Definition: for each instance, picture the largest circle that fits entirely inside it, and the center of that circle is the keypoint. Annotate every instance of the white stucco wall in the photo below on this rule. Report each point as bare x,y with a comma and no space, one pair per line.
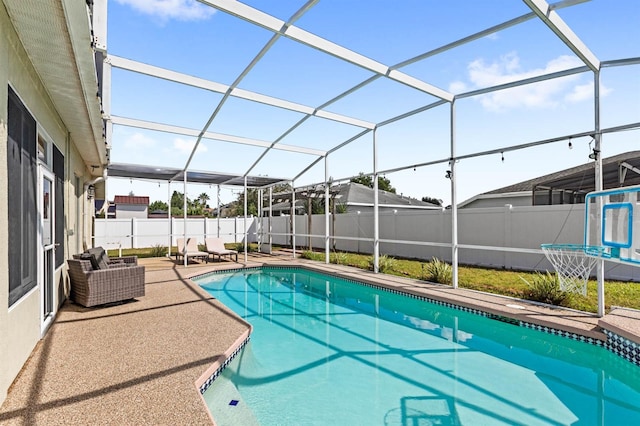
20,324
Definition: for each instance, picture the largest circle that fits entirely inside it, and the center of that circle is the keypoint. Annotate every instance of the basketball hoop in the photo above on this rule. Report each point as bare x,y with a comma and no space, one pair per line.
573,263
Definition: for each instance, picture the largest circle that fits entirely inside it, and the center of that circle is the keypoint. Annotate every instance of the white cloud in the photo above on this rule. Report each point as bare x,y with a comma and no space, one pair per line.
545,94
183,10
584,92
458,87
186,146
138,140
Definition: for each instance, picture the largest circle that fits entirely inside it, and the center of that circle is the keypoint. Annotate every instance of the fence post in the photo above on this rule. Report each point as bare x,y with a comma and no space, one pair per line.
134,231
507,235
173,230
170,232
443,253
358,229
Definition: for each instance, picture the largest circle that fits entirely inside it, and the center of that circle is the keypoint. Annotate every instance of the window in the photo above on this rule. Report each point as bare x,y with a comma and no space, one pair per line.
43,150
58,171
22,189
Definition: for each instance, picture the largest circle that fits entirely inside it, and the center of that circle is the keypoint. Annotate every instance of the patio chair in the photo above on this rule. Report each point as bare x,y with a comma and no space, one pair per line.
115,283
216,246
190,250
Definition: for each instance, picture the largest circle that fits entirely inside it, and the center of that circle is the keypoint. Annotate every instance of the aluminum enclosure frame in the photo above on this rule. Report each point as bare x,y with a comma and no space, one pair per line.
540,9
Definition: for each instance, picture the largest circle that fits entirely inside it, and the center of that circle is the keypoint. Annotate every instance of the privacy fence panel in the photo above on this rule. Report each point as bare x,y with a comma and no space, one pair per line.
113,233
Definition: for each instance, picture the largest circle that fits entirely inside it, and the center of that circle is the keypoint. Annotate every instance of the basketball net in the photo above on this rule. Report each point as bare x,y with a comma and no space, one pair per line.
573,264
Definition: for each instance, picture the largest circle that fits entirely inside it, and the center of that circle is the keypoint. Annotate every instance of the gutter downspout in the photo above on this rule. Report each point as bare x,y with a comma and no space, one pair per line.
87,184
86,209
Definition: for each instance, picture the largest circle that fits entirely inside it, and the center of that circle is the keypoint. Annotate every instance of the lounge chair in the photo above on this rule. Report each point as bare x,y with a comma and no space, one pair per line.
115,283
216,246
190,250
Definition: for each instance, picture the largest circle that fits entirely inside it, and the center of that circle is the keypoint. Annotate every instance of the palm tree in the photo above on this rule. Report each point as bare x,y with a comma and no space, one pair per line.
203,198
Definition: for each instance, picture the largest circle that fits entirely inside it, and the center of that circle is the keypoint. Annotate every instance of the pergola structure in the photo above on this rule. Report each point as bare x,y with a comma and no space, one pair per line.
440,98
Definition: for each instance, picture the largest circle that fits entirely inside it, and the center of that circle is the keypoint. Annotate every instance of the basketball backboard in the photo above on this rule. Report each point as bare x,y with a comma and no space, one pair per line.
612,221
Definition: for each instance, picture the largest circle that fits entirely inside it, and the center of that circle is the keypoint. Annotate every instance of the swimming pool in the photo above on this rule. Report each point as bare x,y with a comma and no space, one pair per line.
328,351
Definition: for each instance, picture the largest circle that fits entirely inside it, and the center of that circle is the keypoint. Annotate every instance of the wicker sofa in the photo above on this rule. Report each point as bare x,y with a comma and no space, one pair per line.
123,279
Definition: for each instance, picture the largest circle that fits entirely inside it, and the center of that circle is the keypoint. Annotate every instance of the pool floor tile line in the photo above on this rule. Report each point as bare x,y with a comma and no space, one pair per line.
143,362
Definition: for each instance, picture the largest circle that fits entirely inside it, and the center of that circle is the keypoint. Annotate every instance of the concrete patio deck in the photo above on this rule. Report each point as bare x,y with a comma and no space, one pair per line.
138,362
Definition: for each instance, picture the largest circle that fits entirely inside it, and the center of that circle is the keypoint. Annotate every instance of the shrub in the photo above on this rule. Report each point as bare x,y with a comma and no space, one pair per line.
545,288
385,263
239,247
438,271
339,257
308,254
158,250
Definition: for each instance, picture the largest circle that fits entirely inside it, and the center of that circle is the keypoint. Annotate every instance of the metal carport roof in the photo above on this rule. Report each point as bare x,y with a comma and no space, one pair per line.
168,174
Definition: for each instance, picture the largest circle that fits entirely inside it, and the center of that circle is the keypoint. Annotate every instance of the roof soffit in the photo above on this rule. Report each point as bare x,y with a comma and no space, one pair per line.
57,39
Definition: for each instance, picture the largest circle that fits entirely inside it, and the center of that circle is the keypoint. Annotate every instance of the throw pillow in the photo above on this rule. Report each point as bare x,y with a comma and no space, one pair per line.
101,258
90,258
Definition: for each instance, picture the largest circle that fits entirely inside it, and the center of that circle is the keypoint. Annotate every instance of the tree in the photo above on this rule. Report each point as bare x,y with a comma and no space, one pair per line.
436,201
203,198
384,184
177,199
194,207
252,200
252,203
158,205
317,205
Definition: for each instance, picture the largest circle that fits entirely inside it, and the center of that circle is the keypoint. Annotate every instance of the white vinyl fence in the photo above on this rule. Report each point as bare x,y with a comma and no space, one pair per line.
501,237
138,233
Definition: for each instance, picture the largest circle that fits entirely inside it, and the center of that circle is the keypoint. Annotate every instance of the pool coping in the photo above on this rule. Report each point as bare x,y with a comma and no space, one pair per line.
615,336
213,372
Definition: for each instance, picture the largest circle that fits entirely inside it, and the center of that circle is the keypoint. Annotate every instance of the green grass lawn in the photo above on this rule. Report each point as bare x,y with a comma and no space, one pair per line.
497,281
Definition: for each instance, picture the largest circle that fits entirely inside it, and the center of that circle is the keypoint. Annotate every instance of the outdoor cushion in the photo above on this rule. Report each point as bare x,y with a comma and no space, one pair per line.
91,258
99,258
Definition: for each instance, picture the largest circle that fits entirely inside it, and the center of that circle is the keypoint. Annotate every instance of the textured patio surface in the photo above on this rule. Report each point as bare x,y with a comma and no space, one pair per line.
624,322
137,363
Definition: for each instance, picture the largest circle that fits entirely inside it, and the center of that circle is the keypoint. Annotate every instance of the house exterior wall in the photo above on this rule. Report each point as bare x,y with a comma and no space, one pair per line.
5,378
499,201
124,211
20,324
76,205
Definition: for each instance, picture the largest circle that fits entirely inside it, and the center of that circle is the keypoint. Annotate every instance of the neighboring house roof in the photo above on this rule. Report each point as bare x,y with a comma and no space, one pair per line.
356,194
352,194
130,199
582,178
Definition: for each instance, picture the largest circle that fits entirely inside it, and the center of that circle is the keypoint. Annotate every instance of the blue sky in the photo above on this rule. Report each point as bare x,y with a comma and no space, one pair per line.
194,39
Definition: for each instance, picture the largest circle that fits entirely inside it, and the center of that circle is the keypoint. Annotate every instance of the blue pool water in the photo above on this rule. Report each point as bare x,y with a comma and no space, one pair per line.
325,351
